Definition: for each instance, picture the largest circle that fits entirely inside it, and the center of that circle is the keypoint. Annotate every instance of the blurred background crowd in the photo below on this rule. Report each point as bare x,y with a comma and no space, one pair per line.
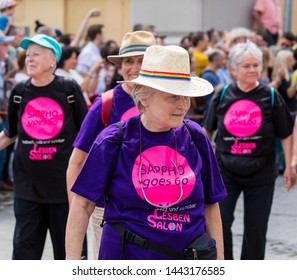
85,51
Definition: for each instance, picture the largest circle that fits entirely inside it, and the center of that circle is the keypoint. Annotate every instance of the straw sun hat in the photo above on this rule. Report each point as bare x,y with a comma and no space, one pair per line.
167,68
133,44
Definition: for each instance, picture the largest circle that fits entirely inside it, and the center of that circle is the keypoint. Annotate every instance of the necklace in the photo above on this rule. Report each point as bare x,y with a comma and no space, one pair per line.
174,163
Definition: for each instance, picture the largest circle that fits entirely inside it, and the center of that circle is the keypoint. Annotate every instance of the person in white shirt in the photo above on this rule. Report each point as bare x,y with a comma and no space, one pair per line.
66,68
91,53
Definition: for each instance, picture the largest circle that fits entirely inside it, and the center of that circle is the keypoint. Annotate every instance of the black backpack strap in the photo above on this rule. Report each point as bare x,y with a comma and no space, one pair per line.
223,92
121,134
190,131
271,93
68,87
17,99
127,235
272,96
19,88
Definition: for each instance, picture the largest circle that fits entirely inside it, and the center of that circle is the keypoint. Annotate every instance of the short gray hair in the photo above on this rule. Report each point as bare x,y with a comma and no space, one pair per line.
139,93
241,49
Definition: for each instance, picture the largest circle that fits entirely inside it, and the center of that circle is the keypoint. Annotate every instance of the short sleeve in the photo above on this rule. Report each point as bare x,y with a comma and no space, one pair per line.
91,127
80,106
11,129
99,166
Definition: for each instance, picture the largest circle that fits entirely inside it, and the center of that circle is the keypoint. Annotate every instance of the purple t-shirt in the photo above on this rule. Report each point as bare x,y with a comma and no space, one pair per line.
172,170
123,107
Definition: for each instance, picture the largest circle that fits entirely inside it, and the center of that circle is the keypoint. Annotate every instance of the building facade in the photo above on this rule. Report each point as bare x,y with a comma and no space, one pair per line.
173,18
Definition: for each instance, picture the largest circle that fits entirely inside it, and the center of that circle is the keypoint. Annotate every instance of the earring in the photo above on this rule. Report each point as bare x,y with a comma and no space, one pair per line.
52,65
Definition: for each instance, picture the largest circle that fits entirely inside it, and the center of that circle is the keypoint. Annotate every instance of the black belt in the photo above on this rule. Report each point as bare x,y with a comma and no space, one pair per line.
144,243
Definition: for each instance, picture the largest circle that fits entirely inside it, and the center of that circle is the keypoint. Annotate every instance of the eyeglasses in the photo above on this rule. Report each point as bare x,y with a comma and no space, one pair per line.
176,172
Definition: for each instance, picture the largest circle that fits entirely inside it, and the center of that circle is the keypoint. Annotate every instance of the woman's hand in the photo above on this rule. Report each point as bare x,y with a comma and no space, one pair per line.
95,12
290,177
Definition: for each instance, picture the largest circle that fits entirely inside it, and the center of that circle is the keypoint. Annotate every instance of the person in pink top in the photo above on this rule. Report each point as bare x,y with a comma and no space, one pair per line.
267,16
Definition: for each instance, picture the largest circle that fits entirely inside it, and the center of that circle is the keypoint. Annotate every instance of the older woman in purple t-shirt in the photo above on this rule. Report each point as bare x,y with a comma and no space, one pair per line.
156,171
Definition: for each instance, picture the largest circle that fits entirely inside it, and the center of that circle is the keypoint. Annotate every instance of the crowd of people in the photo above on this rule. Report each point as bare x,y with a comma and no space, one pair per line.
155,143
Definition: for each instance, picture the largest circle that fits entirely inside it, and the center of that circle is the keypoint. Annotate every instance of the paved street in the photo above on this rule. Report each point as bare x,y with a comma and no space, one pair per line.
281,238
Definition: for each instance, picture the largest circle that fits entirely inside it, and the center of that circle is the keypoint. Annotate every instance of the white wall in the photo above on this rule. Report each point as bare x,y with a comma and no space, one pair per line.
225,14
176,18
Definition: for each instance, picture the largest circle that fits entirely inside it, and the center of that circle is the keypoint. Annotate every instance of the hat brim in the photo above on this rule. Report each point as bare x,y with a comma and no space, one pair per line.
117,59
27,41
194,87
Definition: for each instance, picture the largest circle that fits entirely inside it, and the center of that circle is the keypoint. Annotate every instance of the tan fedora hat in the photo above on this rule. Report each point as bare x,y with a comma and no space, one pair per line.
167,68
134,43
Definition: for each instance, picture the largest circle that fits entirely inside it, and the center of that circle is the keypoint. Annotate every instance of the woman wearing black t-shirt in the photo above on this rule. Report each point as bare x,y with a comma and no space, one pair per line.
248,116
45,114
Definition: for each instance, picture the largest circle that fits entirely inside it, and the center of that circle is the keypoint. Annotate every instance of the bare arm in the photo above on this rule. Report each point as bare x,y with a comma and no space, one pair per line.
90,77
277,78
94,73
218,87
83,26
5,141
291,91
15,68
257,17
77,224
75,164
289,174
214,226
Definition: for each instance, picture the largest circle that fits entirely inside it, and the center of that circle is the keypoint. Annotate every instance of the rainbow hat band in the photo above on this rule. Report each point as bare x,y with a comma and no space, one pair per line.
165,75
133,44
167,69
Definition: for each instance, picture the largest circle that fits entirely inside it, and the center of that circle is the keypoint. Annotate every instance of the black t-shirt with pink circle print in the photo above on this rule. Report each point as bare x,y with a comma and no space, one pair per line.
46,124
247,124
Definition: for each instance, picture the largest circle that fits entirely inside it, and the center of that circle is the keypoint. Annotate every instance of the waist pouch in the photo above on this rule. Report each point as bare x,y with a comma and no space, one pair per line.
202,248
241,165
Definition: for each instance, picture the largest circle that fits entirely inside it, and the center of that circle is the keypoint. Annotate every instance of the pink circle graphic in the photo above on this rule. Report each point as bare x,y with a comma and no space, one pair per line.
130,113
162,171
243,118
43,118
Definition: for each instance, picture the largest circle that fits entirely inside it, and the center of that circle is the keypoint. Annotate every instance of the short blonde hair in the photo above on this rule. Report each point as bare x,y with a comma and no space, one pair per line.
280,61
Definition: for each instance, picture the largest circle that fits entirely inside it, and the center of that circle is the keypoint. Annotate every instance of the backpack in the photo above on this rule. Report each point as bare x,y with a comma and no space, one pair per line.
232,163
271,93
17,98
